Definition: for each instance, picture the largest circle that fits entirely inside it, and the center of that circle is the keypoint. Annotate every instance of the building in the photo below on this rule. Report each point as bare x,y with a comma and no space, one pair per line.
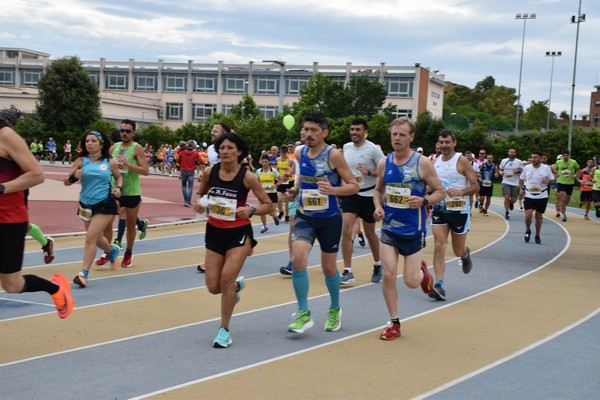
171,94
595,107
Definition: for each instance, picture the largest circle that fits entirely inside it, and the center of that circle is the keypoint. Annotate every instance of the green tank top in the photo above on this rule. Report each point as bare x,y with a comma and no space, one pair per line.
566,171
597,179
131,179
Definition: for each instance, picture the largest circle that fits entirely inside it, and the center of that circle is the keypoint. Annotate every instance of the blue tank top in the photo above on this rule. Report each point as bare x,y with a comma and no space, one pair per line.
487,174
402,181
95,181
312,170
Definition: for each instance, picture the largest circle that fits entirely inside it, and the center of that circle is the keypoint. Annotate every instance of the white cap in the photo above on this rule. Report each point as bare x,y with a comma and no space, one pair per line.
559,157
419,149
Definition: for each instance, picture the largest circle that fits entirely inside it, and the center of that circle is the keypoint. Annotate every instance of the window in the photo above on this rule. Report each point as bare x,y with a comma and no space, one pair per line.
399,87
7,77
234,84
205,84
293,84
227,109
115,81
30,77
402,113
175,111
339,79
95,76
203,111
266,85
174,83
12,54
269,111
144,82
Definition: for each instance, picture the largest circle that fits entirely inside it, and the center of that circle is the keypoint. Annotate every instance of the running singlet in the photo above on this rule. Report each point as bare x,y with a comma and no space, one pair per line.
284,166
597,179
95,181
224,197
533,186
312,203
450,177
13,208
487,174
402,181
566,171
512,169
586,180
131,179
267,179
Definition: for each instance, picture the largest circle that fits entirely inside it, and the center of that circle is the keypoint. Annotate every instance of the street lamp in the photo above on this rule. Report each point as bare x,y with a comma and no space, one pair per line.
281,81
574,20
524,17
462,116
551,54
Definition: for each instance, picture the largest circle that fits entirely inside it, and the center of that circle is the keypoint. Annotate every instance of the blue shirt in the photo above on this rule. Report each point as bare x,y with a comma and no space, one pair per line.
95,181
313,170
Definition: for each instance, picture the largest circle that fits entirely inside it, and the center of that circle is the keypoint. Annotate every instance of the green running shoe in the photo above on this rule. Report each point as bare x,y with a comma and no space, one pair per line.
302,322
334,320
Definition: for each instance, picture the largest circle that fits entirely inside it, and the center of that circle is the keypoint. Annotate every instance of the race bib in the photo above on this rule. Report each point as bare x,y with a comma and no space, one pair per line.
508,174
566,173
588,184
486,183
456,203
269,188
312,200
123,169
85,213
222,208
534,189
397,197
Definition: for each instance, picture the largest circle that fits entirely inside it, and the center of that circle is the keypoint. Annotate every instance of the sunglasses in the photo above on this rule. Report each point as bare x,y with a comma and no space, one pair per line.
125,131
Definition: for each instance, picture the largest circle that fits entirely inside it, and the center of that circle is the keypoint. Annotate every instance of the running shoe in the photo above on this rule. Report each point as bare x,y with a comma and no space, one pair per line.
511,206
521,209
538,240
264,229
276,219
223,339
117,243
597,212
564,218
466,262
241,284
579,204
391,332
143,231
202,268
557,215
347,278
113,257
126,262
80,279
62,299
48,250
334,320
280,215
286,269
438,292
102,260
302,322
481,210
377,274
361,239
527,236
485,213
586,217
507,216
476,204
427,282
287,219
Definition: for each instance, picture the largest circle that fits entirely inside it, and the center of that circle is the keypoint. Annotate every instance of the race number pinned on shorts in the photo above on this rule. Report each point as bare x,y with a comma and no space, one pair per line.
312,200
222,208
455,203
85,213
397,197
486,183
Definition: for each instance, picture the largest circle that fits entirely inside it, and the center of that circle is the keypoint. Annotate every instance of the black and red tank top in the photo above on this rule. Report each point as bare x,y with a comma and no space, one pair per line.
224,197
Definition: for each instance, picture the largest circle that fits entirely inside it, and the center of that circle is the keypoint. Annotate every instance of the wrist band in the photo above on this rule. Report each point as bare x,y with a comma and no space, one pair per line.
73,179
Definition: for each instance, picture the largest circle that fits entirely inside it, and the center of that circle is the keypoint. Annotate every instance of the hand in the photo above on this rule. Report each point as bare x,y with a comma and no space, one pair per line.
325,186
453,192
378,214
116,192
362,169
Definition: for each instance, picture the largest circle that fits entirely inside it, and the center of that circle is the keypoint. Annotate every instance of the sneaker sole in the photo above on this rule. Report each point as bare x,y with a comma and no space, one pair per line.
284,271
218,345
426,288
304,328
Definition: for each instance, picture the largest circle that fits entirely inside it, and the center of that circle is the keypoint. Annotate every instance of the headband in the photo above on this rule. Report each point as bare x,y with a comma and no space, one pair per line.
98,135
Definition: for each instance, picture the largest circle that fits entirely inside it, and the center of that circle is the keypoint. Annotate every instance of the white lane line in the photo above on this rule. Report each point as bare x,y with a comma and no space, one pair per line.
507,358
8,299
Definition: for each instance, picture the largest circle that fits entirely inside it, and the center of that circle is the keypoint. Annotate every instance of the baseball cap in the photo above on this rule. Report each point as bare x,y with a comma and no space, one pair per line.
559,157
419,149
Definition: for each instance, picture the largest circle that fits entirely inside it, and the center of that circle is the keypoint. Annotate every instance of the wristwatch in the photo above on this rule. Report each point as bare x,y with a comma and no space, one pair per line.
425,202
252,211
2,189
369,173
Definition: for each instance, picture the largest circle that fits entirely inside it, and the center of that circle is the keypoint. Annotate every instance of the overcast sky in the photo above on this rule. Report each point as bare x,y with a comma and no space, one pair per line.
466,40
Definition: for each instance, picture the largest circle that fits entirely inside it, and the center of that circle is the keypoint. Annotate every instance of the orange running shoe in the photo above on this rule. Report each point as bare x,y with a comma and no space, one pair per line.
427,282
391,332
62,299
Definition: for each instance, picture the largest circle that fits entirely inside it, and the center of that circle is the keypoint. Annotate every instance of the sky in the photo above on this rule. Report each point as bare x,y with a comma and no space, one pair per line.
466,40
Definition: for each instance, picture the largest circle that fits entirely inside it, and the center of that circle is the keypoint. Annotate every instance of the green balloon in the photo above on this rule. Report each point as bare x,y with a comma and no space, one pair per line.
288,121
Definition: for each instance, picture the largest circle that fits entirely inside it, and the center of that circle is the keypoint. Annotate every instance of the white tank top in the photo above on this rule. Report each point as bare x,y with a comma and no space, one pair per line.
450,177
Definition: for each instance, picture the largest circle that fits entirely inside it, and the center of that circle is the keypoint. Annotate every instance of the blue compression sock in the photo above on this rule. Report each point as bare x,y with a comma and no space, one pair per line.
301,284
333,285
120,230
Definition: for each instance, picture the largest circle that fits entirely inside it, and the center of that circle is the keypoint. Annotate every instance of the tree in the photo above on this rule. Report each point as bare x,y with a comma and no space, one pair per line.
536,115
367,95
69,101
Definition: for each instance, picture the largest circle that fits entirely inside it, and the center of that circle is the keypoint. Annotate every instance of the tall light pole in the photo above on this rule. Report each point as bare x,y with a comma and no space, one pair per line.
281,81
524,17
551,54
574,20
462,116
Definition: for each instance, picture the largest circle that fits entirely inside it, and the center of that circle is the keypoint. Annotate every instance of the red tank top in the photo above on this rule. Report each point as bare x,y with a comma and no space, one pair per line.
13,207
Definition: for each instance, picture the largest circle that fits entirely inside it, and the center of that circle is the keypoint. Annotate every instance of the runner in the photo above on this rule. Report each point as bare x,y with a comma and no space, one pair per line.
510,169
489,171
268,178
566,169
584,177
